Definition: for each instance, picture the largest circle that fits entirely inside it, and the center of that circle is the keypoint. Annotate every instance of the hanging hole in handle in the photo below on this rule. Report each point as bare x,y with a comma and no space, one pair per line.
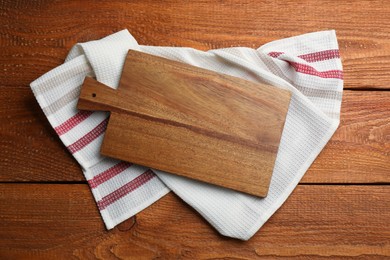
93,94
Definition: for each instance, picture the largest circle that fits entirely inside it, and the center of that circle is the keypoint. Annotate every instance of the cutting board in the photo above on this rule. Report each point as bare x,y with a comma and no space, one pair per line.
191,122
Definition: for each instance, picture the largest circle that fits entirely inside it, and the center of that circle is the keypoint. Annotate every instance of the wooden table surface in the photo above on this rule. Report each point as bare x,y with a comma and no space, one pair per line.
340,208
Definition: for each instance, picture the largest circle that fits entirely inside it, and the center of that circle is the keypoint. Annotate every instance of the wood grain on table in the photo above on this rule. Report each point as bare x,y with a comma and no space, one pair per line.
341,207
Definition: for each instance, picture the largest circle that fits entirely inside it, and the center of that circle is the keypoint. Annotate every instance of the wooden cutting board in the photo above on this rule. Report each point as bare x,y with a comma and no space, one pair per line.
192,122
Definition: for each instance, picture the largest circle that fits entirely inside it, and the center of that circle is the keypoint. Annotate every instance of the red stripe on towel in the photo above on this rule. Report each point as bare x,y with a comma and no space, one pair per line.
306,69
89,137
275,54
313,57
321,55
125,189
108,174
72,122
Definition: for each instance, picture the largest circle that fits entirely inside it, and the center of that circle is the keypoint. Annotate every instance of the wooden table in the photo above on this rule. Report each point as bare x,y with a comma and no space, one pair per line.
340,208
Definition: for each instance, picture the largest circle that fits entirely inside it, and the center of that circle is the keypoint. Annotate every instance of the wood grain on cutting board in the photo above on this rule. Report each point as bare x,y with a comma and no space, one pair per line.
192,122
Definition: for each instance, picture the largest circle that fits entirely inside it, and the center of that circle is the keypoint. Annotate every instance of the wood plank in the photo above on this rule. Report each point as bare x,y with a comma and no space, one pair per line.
30,150
61,221
36,35
359,150
192,122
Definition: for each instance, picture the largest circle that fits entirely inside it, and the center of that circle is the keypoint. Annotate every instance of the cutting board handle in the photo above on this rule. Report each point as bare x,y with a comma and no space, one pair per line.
96,96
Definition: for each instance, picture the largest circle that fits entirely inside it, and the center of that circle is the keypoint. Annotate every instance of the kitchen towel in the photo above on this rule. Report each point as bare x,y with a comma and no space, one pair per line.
308,65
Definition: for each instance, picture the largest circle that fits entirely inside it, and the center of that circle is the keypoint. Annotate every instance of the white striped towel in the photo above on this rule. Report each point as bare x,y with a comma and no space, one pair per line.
308,65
